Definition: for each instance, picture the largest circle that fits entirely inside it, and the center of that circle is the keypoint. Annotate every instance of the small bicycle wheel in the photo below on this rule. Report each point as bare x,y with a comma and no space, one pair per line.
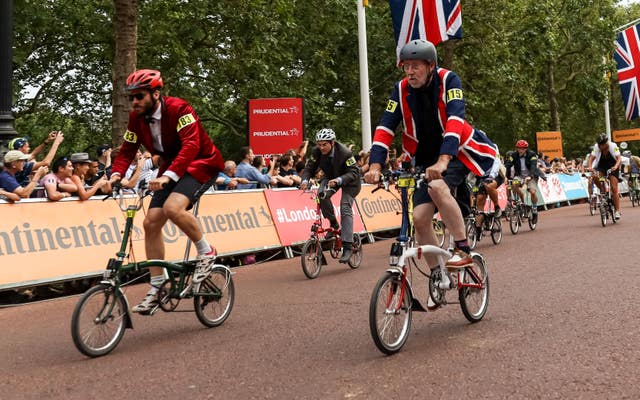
603,214
213,297
99,320
612,212
390,314
533,221
311,258
356,248
514,222
474,300
335,250
438,228
496,231
472,237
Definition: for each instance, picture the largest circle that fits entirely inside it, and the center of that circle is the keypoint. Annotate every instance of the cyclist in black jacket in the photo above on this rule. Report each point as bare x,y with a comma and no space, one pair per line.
525,166
340,171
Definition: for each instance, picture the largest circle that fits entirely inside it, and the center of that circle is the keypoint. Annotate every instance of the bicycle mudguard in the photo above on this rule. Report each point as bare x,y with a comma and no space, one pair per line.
128,323
475,255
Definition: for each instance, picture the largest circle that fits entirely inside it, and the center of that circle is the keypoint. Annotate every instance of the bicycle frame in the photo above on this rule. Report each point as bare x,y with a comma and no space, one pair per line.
401,251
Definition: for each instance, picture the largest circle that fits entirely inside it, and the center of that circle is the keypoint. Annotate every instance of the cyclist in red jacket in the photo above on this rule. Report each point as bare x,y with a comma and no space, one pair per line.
168,127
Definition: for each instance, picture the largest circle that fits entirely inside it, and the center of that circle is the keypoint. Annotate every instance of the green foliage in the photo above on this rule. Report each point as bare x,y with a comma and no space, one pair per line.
515,56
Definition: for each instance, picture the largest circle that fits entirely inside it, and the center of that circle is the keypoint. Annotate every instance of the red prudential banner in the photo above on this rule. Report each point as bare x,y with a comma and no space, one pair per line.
294,212
275,125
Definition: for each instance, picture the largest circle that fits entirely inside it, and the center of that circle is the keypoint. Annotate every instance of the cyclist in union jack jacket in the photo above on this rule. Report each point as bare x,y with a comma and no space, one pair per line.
430,103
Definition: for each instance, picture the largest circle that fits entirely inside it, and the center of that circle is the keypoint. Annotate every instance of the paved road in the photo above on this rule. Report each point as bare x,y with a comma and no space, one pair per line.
562,323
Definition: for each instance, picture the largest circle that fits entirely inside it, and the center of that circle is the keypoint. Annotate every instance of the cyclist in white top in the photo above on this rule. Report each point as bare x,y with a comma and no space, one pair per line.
606,156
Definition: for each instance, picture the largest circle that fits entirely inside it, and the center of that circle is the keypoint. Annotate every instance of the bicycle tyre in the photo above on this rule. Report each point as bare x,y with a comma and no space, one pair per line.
389,327
100,334
532,224
356,256
592,206
438,229
311,258
467,295
514,222
612,213
496,231
335,251
214,297
472,238
603,214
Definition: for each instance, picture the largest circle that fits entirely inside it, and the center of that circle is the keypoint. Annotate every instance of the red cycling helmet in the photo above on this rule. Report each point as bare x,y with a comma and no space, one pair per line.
149,79
522,144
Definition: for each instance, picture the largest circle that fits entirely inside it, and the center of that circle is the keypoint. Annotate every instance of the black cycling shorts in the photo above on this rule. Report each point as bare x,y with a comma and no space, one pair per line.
455,176
187,185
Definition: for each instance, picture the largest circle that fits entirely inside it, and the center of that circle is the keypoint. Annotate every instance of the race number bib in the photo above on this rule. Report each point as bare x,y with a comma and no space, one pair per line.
130,137
185,120
454,94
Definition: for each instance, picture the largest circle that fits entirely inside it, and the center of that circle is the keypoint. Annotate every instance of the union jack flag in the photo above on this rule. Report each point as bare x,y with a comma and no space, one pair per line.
627,56
433,20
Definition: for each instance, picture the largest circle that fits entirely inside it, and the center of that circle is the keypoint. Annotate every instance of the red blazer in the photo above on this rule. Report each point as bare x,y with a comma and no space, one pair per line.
187,147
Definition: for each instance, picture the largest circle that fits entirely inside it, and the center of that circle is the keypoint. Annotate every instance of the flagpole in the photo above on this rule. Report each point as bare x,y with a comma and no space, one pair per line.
364,76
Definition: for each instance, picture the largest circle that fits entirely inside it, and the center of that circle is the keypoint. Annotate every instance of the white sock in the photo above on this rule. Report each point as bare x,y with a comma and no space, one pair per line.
202,246
156,282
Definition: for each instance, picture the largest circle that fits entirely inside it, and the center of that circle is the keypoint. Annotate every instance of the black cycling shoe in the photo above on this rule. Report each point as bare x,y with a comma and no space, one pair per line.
346,255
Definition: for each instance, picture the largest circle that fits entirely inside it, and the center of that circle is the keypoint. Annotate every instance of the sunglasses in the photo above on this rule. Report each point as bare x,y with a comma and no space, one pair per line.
137,96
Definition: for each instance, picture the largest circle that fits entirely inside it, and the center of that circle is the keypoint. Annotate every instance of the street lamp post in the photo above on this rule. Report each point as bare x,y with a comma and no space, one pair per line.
6,71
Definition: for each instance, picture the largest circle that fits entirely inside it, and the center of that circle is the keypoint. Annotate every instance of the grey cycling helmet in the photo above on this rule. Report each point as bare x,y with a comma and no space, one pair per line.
325,134
419,49
626,153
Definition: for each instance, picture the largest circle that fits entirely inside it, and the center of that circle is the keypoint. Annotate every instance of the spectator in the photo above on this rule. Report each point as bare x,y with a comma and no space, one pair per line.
22,144
8,196
300,167
92,173
227,179
14,162
362,160
81,164
141,168
58,184
251,173
287,173
258,162
104,160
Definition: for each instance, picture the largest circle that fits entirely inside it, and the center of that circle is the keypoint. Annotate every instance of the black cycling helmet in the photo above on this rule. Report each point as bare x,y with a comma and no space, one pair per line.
602,138
419,49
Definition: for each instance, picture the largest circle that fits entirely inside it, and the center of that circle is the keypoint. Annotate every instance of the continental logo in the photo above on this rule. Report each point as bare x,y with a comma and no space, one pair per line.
130,137
391,106
239,220
454,94
27,239
370,207
185,120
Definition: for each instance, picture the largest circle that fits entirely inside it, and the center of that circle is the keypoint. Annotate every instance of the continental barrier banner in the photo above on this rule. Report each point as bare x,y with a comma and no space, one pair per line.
294,211
41,240
44,241
380,210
